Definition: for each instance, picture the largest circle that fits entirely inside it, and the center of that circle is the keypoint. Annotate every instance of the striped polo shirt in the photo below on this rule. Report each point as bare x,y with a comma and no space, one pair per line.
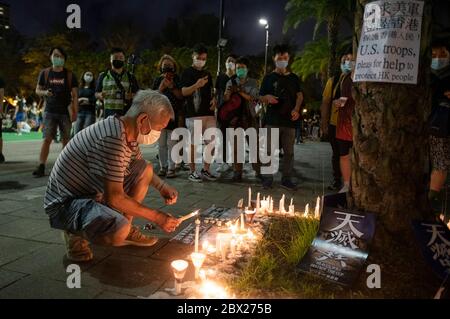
99,152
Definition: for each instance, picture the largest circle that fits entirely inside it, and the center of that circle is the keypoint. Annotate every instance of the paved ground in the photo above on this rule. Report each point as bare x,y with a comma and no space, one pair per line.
32,263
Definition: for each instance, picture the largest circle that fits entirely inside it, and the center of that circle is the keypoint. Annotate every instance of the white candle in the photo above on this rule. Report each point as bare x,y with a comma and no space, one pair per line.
249,197
197,234
306,210
292,201
281,207
270,204
291,210
317,210
242,222
258,202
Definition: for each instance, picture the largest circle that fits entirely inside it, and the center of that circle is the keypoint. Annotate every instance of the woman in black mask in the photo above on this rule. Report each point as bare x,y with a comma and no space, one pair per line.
168,83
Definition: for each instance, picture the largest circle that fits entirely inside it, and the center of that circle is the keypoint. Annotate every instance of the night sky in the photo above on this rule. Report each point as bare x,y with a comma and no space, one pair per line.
32,18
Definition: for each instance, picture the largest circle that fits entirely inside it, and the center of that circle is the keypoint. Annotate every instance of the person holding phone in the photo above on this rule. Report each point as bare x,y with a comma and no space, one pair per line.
198,89
282,92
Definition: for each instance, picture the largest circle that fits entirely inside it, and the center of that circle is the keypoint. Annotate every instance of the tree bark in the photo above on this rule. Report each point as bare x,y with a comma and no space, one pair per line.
388,169
333,38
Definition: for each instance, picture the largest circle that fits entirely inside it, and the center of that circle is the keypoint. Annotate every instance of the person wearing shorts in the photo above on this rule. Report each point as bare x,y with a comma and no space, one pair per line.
197,88
59,87
345,104
100,180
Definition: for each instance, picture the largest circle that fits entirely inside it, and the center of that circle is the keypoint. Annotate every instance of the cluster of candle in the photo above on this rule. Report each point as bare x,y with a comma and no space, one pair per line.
266,206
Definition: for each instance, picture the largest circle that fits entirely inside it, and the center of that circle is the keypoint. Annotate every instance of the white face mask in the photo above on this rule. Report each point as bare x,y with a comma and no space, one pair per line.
88,78
439,63
199,63
230,66
149,139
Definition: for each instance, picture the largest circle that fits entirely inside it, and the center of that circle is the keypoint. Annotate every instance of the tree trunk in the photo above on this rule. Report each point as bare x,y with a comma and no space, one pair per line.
388,170
333,38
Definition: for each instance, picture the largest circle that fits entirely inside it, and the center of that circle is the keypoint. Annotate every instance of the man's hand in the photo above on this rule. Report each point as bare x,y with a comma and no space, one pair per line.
269,99
295,115
169,224
169,194
201,82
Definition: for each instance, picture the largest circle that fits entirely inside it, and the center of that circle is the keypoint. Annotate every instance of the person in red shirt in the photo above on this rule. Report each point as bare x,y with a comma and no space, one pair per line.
344,134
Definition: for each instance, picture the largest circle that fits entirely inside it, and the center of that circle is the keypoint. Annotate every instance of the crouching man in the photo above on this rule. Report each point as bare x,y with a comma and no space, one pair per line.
100,180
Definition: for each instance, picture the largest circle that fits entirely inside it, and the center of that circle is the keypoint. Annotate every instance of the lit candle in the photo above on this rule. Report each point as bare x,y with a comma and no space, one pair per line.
197,234
258,203
281,207
198,259
249,197
317,210
270,204
179,268
306,211
243,221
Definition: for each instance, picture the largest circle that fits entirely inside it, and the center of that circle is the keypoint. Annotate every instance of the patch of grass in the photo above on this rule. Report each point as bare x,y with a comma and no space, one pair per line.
272,272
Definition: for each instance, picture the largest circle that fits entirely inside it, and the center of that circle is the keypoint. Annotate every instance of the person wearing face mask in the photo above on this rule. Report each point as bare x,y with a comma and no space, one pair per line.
439,139
168,83
282,93
221,84
116,87
345,104
329,121
86,101
244,117
197,88
99,182
58,87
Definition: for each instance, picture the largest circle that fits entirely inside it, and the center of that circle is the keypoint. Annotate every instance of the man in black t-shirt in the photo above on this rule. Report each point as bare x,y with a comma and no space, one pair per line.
59,88
283,113
197,88
2,94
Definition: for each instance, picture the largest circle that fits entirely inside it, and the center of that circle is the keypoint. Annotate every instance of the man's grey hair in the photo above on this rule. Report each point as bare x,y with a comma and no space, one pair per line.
152,103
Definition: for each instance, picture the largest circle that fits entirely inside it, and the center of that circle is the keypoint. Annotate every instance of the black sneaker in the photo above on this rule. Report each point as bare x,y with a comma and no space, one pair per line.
289,185
2,158
208,176
40,171
193,177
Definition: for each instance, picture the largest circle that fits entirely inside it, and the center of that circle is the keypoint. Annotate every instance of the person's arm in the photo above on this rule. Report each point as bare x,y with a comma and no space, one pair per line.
99,89
227,93
264,96
74,104
298,107
189,90
41,91
117,199
325,108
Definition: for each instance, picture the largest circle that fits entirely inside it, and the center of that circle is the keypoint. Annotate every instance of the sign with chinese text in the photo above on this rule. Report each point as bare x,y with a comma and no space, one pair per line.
389,47
434,240
341,247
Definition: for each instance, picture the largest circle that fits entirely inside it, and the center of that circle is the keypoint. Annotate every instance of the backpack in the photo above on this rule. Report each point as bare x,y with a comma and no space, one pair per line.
69,77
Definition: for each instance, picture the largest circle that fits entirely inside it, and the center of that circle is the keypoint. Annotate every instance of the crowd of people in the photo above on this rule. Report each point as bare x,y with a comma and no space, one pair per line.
86,206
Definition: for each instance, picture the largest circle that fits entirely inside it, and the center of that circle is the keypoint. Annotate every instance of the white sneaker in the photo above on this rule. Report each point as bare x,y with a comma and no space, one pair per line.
223,168
345,189
194,177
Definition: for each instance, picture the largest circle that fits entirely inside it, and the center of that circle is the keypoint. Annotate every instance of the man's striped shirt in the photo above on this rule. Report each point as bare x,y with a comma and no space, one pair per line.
99,152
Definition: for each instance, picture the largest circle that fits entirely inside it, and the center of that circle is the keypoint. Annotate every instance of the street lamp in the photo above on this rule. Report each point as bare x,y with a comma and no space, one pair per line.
265,23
